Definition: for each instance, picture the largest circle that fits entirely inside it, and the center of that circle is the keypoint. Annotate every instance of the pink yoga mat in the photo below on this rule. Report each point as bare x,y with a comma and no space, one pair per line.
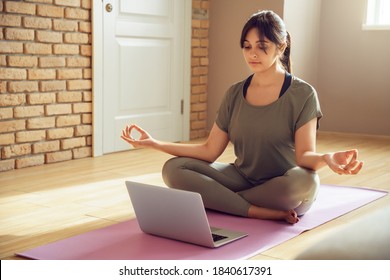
125,241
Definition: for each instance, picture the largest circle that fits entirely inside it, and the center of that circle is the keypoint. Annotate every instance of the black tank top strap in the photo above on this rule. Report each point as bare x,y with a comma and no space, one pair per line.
246,84
286,84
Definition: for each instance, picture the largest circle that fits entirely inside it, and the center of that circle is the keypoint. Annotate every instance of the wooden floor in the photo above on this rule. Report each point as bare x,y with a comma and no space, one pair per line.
43,204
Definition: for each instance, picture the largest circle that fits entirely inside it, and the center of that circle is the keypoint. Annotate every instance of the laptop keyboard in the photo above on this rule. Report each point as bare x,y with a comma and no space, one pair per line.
217,237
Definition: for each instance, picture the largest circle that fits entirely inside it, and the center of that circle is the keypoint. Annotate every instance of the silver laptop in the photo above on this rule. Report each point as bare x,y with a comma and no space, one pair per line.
176,214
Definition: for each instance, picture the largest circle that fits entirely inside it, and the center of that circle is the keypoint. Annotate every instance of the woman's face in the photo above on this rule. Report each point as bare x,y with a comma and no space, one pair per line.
260,55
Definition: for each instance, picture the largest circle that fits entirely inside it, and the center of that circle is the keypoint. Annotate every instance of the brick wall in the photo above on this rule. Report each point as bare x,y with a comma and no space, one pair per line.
199,67
45,80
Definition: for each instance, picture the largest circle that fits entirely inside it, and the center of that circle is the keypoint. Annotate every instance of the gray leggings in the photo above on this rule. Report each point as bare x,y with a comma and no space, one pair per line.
224,189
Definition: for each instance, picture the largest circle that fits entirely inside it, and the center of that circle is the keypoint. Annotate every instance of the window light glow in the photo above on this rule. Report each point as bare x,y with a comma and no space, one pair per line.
378,13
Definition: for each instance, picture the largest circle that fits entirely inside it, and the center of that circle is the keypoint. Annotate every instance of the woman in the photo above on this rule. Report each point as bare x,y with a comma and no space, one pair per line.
271,118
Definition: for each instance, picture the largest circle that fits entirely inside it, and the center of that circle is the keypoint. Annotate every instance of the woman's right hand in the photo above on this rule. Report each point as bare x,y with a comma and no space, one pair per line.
209,150
145,140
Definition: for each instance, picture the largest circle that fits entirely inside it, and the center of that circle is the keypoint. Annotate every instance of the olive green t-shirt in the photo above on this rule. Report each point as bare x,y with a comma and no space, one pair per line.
263,136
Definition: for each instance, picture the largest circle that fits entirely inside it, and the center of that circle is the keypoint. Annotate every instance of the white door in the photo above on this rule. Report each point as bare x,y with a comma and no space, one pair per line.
143,69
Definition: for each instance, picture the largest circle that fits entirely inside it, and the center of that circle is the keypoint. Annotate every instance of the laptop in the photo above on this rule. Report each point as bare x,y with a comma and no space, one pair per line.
176,214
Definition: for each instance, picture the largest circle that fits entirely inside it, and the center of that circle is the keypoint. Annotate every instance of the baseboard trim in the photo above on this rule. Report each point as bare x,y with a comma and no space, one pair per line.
354,135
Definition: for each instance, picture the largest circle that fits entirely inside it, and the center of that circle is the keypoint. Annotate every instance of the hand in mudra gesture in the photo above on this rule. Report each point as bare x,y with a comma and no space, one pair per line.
344,162
144,140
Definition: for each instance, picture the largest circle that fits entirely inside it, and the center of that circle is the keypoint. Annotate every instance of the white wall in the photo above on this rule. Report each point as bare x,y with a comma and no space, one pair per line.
354,70
302,19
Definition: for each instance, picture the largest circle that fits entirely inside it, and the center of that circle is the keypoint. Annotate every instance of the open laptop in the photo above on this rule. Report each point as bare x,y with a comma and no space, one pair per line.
176,214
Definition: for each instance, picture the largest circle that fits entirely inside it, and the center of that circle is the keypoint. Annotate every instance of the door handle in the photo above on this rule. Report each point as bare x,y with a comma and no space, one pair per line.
109,7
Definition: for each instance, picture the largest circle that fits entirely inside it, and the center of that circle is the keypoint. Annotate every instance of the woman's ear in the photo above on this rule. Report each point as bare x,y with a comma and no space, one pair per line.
282,48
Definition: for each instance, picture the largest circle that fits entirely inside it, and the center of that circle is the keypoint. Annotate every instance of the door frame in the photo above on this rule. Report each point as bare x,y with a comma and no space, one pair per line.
97,73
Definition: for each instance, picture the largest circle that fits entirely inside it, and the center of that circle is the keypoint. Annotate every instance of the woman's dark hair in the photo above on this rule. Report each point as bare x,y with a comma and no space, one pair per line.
269,25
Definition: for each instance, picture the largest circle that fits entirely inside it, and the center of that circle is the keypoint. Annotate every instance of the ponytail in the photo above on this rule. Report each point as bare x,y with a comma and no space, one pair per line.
286,57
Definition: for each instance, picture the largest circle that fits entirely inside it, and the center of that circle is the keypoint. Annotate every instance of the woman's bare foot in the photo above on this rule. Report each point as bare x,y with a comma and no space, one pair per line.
290,216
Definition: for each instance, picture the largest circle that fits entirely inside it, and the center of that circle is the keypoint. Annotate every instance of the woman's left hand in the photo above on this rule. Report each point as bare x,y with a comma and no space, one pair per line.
344,162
